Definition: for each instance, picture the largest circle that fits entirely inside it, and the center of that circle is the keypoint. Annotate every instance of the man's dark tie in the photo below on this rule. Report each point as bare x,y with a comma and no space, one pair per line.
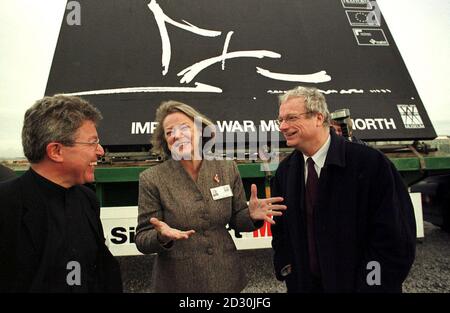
312,183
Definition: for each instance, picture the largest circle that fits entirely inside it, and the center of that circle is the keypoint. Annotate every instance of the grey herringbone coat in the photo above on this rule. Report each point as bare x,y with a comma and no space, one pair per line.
207,261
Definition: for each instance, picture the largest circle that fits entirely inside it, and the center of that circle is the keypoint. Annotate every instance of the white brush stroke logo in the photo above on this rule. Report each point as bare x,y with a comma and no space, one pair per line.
189,73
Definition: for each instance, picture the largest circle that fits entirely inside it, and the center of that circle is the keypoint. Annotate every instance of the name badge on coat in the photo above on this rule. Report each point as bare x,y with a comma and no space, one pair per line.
221,192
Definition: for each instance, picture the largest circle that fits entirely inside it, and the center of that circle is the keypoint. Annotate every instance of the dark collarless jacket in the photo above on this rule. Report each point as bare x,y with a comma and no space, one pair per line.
24,235
363,213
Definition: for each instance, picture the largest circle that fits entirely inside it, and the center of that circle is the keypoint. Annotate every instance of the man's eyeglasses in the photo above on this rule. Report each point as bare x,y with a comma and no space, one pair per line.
92,143
289,119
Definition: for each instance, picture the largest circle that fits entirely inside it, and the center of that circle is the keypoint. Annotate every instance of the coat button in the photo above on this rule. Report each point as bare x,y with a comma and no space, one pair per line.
210,251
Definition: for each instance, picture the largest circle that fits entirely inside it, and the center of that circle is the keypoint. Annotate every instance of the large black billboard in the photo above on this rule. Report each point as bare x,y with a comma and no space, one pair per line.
231,59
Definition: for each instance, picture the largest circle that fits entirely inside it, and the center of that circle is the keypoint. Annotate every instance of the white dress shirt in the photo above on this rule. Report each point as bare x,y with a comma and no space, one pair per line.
319,158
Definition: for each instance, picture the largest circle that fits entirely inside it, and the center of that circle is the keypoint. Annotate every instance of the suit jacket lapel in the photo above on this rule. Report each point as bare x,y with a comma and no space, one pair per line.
184,178
295,194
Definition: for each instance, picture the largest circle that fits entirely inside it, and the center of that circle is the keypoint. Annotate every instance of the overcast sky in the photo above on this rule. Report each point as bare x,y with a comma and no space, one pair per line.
29,31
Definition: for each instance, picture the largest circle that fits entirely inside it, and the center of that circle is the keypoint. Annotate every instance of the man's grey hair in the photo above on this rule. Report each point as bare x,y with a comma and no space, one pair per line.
159,143
314,101
54,119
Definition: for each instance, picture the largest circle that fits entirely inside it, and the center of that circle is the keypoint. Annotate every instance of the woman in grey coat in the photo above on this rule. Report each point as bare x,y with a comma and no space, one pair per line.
185,204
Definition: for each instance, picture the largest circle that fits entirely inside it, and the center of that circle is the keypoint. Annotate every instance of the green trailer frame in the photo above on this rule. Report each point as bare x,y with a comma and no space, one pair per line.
118,185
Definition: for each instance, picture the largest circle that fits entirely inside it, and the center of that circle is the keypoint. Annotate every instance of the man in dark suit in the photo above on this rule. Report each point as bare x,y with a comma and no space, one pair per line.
6,173
51,237
349,224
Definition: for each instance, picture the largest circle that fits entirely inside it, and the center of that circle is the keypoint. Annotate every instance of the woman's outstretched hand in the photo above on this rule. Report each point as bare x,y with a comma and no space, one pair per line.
168,233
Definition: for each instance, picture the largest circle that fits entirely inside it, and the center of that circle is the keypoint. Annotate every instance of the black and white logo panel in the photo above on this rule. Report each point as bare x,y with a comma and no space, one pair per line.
410,116
362,18
370,37
356,4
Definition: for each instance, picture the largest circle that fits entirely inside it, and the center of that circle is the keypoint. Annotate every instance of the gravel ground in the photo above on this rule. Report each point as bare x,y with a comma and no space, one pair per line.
430,272
431,269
